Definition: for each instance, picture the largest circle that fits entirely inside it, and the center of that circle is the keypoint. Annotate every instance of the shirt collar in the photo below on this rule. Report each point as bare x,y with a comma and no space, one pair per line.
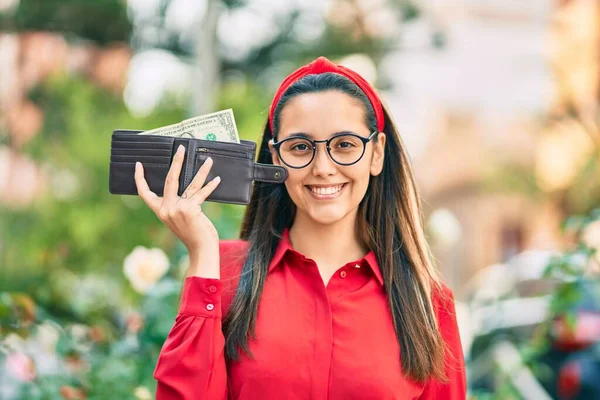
284,246
371,260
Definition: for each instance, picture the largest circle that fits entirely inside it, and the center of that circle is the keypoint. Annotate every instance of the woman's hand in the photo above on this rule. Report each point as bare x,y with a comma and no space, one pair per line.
183,215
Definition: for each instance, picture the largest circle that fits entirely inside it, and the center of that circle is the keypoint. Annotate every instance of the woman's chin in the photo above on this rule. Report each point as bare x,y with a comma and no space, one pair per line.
326,215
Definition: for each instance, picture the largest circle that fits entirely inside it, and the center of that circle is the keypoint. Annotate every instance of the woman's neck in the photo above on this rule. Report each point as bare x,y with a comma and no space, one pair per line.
330,245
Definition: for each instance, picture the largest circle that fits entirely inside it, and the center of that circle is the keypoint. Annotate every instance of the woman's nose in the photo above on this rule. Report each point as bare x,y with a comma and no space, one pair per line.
323,165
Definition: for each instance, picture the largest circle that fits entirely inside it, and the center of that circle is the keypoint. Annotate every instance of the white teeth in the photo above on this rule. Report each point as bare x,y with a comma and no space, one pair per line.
326,190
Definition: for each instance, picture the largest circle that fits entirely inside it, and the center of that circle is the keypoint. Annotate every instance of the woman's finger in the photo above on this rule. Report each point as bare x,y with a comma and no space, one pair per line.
148,196
172,179
203,193
198,181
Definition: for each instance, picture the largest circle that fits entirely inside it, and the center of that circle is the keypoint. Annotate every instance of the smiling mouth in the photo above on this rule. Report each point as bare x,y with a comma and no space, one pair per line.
326,191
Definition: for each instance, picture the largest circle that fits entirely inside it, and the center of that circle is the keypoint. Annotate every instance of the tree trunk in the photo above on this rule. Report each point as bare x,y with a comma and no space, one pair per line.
205,76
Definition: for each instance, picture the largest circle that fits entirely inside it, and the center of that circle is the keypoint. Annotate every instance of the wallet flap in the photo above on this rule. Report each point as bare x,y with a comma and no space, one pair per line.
245,149
269,173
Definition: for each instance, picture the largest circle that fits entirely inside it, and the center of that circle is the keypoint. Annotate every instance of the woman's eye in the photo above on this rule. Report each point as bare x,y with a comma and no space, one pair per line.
300,147
345,145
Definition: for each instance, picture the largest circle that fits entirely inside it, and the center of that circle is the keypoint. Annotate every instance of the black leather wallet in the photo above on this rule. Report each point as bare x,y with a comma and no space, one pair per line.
233,162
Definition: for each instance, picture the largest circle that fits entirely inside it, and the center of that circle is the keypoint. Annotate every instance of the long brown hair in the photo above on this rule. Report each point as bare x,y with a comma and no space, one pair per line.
390,223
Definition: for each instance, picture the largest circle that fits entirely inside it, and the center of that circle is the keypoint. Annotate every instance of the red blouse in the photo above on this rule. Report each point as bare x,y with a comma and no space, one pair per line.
312,341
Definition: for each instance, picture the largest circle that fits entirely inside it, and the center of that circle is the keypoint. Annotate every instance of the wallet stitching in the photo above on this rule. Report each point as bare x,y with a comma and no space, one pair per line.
113,152
129,144
187,159
187,164
138,157
143,163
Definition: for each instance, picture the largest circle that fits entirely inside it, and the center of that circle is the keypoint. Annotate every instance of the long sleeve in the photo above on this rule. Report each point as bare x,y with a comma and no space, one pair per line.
191,364
456,387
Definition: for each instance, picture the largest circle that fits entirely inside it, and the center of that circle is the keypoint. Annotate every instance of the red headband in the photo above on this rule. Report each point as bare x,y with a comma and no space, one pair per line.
320,66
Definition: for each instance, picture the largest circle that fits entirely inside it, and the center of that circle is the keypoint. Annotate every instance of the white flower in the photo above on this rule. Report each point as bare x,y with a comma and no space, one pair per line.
81,337
591,235
79,331
144,267
93,292
13,342
48,335
142,393
591,238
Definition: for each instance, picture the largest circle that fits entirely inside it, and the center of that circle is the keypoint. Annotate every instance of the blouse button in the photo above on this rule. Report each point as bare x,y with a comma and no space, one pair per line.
343,274
212,289
210,307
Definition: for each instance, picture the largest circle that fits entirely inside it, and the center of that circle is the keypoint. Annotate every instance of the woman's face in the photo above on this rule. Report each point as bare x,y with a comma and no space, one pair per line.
325,191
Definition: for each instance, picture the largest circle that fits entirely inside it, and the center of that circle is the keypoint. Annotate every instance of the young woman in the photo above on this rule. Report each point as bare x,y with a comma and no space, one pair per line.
331,292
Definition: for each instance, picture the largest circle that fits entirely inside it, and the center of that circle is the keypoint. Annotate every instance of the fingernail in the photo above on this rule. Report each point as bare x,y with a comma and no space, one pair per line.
180,148
217,179
208,159
137,163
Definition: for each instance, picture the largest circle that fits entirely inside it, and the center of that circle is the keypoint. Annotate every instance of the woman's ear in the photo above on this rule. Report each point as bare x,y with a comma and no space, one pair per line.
378,154
274,154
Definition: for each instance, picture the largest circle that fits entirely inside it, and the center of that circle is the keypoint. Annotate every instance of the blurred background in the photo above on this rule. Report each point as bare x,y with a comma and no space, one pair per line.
497,101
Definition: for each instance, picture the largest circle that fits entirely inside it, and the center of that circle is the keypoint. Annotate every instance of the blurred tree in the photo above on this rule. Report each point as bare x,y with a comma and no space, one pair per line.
78,226
101,21
200,41
566,169
354,35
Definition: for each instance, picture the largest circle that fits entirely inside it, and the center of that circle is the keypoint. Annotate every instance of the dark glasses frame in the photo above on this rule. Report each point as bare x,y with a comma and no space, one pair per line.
365,141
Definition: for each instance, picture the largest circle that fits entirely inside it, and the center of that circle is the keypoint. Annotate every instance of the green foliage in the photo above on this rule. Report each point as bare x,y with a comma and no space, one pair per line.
107,358
574,274
80,228
506,177
573,271
62,258
102,21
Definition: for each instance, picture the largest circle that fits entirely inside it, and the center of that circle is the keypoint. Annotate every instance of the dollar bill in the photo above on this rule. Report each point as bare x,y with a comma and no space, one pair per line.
219,126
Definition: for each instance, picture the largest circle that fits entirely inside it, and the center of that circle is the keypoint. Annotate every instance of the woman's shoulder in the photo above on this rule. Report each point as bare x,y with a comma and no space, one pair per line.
228,247
233,253
443,301
442,292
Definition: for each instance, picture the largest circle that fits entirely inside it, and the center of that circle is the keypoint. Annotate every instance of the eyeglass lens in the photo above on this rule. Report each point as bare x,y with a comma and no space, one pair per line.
344,149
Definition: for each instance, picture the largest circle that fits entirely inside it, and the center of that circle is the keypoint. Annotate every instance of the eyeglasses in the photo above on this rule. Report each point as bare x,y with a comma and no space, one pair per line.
343,148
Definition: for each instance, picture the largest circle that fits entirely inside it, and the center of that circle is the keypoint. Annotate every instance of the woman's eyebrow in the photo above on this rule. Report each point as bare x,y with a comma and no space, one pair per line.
301,134
344,132
310,136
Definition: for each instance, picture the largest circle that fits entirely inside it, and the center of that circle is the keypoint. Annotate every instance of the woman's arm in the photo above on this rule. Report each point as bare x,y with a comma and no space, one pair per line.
456,387
191,364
